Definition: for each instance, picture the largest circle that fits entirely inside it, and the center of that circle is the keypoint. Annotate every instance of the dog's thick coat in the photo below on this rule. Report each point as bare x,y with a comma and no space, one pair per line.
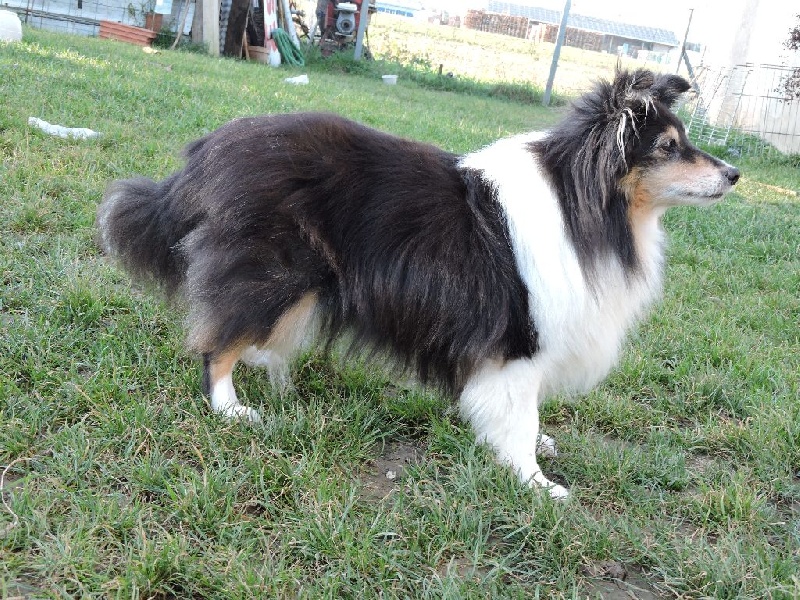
502,276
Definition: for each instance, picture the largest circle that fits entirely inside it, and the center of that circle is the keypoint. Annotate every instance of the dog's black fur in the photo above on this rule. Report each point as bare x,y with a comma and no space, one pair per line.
271,208
586,160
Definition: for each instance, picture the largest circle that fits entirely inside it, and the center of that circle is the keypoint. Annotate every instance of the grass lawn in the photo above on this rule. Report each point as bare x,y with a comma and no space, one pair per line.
486,56
119,482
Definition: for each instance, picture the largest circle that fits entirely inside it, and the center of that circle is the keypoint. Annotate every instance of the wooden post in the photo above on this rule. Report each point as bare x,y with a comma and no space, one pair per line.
182,26
562,33
197,22
211,26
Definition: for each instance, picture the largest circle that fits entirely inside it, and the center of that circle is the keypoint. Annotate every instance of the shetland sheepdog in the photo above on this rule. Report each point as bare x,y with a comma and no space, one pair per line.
502,276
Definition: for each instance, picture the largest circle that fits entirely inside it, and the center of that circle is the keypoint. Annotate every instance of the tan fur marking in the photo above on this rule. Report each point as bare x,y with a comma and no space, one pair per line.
640,207
223,364
292,328
288,334
670,133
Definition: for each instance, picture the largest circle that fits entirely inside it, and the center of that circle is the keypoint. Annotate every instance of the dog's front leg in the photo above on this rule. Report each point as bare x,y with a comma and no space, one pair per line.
500,400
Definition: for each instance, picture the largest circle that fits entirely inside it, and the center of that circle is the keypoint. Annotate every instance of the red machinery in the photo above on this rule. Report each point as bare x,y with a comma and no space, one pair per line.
339,22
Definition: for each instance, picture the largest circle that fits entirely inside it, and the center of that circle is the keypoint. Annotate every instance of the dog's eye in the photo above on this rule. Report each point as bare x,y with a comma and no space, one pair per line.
670,145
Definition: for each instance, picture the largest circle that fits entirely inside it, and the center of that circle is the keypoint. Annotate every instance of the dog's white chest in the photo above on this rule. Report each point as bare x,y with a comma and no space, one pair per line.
581,337
581,328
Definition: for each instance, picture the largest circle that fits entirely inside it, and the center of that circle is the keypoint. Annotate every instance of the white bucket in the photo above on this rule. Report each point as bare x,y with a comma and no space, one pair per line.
10,26
389,79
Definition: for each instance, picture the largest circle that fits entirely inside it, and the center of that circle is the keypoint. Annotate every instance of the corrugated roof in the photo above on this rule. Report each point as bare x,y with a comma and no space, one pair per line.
604,26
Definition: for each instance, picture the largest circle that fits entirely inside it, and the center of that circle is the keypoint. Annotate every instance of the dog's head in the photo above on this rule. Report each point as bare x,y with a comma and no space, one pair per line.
650,152
620,153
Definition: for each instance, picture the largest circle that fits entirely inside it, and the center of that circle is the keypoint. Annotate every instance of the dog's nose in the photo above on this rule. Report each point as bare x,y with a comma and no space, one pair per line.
732,173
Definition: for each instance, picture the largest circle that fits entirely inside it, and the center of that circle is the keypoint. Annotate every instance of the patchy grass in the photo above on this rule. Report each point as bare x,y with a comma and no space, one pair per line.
471,62
120,482
498,62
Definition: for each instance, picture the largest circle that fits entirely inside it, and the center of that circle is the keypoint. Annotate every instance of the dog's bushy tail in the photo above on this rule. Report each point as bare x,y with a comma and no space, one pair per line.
140,224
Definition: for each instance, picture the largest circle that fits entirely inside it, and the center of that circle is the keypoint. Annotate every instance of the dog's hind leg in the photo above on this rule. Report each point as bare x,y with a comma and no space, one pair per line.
218,384
293,331
500,400
286,338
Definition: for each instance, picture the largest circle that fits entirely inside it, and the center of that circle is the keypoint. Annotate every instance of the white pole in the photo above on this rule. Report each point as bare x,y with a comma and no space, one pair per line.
683,44
287,19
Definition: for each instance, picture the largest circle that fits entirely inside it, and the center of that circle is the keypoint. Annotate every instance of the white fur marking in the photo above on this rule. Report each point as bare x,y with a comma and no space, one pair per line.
627,113
293,332
581,330
254,357
276,364
102,220
546,446
225,402
501,403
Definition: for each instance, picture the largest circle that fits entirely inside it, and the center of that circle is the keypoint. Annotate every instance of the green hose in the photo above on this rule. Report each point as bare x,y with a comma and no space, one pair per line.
290,54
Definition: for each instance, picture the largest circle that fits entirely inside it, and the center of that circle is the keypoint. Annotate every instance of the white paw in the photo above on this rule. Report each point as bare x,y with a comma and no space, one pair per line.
558,492
225,402
546,446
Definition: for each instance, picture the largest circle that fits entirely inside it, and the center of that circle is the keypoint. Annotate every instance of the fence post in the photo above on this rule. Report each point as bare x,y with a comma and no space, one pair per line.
211,26
362,27
562,33
683,46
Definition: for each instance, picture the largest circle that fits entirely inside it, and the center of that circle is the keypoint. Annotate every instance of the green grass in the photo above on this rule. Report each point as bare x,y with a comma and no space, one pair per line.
683,466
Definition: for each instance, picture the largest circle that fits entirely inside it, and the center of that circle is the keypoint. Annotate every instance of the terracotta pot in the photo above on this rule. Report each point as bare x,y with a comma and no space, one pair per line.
112,30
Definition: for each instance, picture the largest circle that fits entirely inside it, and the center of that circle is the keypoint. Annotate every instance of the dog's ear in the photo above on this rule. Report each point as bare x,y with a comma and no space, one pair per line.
633,96
668,88
638,89
631,89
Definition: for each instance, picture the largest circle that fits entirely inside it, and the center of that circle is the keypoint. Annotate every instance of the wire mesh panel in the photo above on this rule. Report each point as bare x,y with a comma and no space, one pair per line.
747,109
82,17
76,16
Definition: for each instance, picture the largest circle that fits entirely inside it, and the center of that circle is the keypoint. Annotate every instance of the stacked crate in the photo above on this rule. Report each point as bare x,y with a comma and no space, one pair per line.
497,23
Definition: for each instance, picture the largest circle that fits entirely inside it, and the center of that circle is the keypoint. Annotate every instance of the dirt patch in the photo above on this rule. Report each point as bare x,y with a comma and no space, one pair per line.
789,509
383,475
613,580
699,464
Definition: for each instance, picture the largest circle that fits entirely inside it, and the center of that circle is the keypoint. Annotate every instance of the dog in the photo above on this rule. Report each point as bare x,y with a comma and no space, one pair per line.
502,276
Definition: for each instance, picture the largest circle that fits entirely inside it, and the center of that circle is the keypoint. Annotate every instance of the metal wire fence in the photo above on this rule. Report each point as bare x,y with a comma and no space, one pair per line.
80,17
746,109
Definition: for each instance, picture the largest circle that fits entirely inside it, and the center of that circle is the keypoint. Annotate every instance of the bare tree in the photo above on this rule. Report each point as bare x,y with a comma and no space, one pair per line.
791,85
